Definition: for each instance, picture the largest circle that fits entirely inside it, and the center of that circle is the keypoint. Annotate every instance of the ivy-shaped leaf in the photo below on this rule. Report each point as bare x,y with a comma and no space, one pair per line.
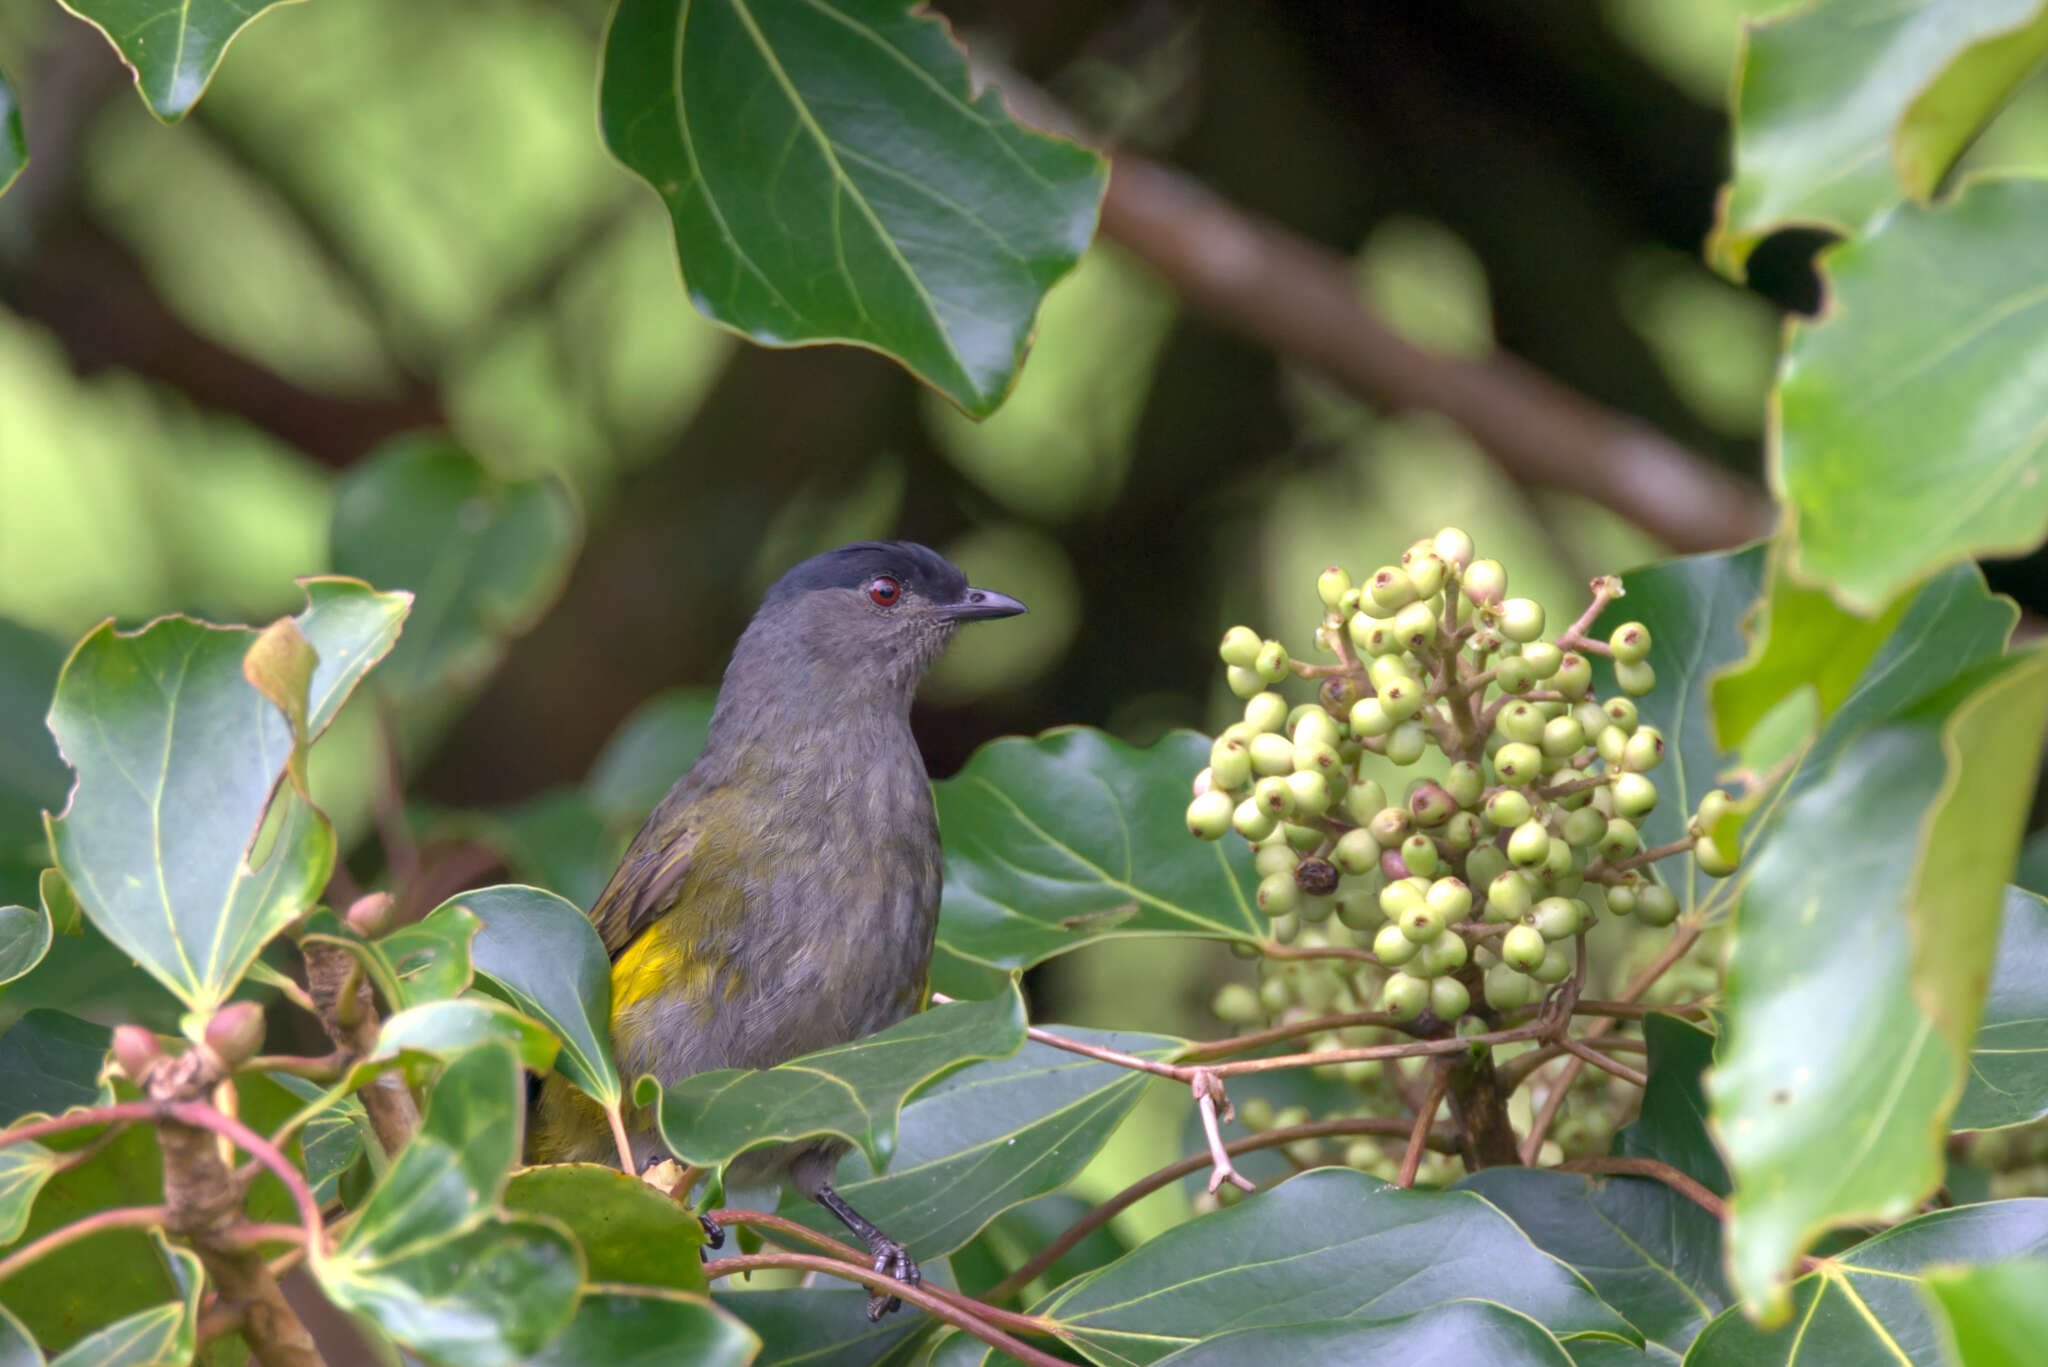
630,1232
546,957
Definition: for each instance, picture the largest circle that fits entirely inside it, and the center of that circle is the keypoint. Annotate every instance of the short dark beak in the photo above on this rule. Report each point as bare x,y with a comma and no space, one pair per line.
978,604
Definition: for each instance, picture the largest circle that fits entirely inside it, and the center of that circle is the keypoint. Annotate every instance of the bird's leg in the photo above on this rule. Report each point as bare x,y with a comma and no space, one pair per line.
891,1258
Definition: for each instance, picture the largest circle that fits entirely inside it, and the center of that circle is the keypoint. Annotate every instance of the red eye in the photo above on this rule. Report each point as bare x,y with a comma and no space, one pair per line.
883,592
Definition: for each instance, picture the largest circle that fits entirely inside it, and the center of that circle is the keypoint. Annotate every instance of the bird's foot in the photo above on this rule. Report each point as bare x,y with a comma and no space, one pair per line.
714,1232
891,1260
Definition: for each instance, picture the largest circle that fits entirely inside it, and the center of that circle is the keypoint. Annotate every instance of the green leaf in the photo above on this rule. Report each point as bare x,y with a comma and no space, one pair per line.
1997,1314
2008,1082
832,178
1072,836
988,1137
651,750
442,1029
173,51
50,1062
852,1090
1671,1121
1902,444
13,143
431,957
485,556
630,1233
817,1326
1850,992
1866,1305
1824,92
24,1167
60,904
1459,1331
430,1259
642,1328
162,1336
546,957
1329,1244
17,1346
1010,1239
170,839
24,940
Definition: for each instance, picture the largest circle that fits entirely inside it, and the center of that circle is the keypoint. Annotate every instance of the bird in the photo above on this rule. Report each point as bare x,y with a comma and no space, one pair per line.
783,897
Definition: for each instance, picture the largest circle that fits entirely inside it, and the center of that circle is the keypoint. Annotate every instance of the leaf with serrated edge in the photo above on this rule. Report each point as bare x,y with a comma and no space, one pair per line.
543,953
852,1090
915,218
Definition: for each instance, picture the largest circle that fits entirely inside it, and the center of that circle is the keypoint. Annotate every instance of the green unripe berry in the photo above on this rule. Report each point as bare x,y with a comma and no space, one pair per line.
1574,675
1388,668
1356,908
1591,719
1622,712
1356,852
1518,764
1454,545
1620,839
1485,582
1209,815
1508,989
1380,641
1713,807
1271,753
1243,733
1278,895
1559,918
1332,585
1369,718
1610,742
1484,864
1656,905
1275,856
1311,724
1543,657
1462,831
1508,896
1621,899
1418,854
1583,829
1451,898
1311,793
1560,864
1415,626
1243,681
1361,627
1523,947
1407,742
1465,782
1240,647
1257,1113
1529,846
1430,804
1563,737
1390,588
1445,954
1230,766
1392,948
1427,571
1635,795
1485,641
1422,922
1403,698
1644,751
1630,643
1272,662
1521,619
1508,808
1303,838
1449,999
1316,758
1404,997
1556,966
1236,1004
1398,897
1713,861
1252,821
1390,826
1266,713
1363,800
1514,675
1347,603
1520,721
1275,996
1636,678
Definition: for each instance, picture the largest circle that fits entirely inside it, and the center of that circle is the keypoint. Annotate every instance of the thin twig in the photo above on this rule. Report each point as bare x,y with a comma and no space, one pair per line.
1602,1062
1425,1117
1207,1092
1258,1039
1522,1067
323,1068
1606,588
123,1217
1614,1166
1273,949
1635,1011
1600,868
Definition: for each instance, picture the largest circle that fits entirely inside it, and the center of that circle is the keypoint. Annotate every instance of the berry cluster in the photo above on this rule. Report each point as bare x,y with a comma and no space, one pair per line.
1477,883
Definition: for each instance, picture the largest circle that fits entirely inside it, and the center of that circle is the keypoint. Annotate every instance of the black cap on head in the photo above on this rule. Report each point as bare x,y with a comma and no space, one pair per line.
920,569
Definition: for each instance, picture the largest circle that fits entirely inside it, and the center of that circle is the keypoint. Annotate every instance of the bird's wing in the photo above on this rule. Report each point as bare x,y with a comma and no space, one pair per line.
643,887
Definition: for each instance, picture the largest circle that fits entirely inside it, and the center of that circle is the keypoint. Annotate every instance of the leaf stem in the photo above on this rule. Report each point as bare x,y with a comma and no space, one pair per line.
1208,1091
616,1116
99,1222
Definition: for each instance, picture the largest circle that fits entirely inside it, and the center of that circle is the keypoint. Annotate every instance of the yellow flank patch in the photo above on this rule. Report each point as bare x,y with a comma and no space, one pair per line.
658,964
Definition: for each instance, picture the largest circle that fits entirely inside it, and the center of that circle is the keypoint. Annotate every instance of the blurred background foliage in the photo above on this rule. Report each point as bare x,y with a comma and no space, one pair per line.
389,217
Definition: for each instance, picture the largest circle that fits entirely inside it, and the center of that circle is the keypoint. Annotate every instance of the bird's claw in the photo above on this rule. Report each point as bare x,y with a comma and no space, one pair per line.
891,1260
714,1232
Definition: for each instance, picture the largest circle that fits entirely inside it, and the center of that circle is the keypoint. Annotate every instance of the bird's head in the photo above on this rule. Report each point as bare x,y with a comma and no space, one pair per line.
877,612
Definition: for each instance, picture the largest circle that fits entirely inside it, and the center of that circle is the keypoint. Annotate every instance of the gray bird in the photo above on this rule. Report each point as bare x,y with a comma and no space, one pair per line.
783,897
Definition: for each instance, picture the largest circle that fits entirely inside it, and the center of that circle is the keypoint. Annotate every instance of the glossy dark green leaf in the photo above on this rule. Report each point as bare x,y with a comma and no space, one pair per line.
332,1140
853,1090
2008,1082
988,1137
50,1062
832,178
1997,1314
816,1326
24,939
651,749
1059,840
165,839
1472,1331
431,957
24,1167
1671,1122
430,1259
2032,872
630,1233
1866,1305
162,1334
1835,102
13,143
1854,984
1329,1244
1009,1240
636,1328
486,556
1901,445
446,1028
173,50
17,1346
546,957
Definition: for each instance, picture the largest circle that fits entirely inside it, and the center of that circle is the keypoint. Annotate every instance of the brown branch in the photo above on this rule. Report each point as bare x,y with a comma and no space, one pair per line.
1635,1011
1599,1060
1273,949
1208,1092
1425,1117
1257,1039
349,1015
1671,1177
